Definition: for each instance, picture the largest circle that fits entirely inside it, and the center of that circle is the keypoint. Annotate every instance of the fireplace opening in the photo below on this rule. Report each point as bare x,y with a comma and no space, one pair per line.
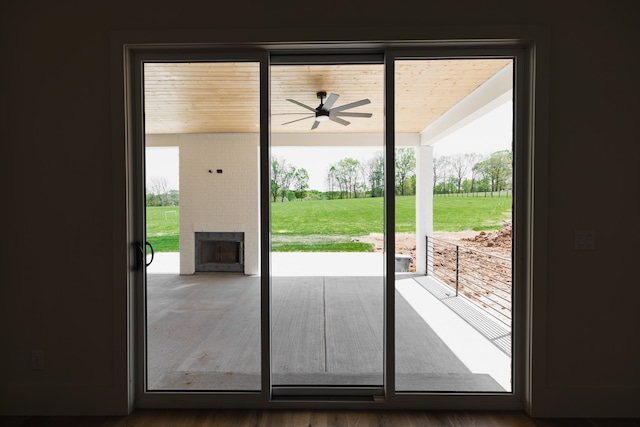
219,251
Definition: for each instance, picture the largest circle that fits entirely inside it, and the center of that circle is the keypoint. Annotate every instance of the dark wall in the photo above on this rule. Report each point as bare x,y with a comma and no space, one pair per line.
60,286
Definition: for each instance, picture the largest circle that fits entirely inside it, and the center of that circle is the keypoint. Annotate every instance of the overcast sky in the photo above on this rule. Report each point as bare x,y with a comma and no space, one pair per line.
489,133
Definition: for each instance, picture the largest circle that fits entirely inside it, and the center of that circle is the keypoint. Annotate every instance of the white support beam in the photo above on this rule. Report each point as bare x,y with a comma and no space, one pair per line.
490,95
341,139
424,204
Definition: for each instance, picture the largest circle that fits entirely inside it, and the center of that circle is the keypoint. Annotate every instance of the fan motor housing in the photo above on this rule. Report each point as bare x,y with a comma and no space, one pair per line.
322,115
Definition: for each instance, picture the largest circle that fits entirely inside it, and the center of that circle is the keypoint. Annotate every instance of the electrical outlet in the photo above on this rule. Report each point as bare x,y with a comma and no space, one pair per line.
37,360
585,240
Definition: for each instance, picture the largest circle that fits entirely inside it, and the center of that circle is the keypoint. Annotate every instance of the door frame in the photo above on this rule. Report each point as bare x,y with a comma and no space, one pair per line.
524,91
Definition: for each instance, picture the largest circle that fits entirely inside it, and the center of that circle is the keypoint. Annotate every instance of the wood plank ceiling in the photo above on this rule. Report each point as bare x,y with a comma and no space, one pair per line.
183,98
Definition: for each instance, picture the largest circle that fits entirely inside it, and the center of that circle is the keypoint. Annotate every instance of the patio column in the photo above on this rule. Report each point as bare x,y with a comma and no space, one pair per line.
424,203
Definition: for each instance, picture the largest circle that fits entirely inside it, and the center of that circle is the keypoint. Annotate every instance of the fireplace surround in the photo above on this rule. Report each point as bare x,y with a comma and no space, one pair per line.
219,251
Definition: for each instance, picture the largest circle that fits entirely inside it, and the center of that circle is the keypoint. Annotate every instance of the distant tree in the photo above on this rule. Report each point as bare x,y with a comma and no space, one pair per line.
174,197
332,180
151,199
405,167
281,177
160,188
374,171
353,170
467,185
460,167
440,188
451,183
347,175
410,186
287,179
277,166
316,195
474,173
497,170
300,182
440,166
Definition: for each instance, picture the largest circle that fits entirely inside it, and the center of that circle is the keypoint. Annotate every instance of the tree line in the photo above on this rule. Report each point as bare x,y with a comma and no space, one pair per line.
158,193
471,173
351,178
347,178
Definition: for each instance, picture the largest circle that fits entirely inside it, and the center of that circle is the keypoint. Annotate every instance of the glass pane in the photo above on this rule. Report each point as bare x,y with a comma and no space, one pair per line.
203,286
327,222
453,228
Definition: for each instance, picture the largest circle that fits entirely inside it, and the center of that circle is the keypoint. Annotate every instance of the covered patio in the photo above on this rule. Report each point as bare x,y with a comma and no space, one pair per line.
210,112
204,332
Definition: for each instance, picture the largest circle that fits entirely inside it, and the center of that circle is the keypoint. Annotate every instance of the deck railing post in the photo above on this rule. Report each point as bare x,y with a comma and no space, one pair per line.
426,270
457,258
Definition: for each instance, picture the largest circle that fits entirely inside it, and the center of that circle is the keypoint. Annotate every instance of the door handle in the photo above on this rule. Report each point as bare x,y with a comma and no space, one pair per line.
141,255
152,254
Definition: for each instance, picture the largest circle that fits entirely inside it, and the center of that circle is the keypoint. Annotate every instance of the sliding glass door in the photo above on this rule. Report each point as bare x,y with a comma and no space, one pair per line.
327,219
202,294
327,227
453,320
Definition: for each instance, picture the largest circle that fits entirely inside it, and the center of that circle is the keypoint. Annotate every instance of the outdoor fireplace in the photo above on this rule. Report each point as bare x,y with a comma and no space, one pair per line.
219,251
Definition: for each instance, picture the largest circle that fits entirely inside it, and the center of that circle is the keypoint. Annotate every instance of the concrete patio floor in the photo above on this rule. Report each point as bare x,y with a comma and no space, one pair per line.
327,329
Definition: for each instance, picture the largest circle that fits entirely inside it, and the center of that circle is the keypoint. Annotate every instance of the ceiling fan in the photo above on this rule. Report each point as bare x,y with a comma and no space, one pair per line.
324,112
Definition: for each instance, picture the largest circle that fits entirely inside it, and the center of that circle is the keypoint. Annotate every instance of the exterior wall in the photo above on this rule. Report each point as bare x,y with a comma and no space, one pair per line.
229,202
211,201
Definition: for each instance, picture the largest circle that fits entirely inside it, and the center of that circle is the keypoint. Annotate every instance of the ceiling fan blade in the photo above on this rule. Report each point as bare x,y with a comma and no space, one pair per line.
330,101
352,105
339,120
315,125
287,114
302,105
297,120
347,114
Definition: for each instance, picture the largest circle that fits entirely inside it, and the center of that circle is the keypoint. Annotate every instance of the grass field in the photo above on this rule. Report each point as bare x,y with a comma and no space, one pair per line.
470,213
329,225
163,228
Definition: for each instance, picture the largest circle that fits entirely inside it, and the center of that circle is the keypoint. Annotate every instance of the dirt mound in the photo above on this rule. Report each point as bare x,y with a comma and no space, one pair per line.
494,242
497,242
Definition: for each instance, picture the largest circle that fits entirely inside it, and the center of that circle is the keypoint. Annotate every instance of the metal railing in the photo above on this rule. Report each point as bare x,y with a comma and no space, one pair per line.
483,278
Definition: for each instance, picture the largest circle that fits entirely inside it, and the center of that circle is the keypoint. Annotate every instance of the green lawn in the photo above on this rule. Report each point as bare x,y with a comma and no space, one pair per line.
470,213
329,225
163,228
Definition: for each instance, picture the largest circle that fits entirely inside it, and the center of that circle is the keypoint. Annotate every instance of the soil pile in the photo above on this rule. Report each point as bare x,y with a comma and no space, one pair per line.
475,252
494,242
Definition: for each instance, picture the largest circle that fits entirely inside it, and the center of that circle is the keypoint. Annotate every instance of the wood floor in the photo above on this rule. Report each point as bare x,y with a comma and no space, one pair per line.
313,418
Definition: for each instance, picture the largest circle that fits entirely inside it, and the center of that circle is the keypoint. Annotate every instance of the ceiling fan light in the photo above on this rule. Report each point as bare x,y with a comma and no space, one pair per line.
322,118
